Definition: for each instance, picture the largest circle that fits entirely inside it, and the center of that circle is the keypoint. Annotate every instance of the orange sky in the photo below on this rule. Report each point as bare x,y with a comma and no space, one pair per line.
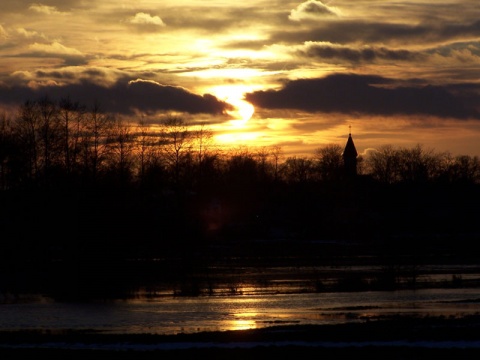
297,73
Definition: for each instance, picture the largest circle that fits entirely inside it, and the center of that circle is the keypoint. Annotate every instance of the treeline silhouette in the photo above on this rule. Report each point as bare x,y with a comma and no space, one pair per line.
82,192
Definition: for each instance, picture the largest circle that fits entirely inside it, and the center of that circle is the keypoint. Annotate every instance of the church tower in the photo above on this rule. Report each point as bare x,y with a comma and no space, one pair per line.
350,157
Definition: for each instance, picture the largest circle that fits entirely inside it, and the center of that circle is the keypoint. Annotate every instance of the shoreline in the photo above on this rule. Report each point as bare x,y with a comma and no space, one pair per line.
396,334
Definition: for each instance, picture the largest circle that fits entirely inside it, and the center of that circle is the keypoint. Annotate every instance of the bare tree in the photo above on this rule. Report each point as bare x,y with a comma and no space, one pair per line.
277,155
26,133
417,164
241,168
384,164
94,141
298,169
7,147
121,149
465,169
71,114
262,155
177,142
203,141
50,135
143,145
329,162
268,159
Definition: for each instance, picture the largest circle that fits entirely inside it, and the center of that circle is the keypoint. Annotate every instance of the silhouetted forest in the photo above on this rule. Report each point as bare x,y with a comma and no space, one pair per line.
83,193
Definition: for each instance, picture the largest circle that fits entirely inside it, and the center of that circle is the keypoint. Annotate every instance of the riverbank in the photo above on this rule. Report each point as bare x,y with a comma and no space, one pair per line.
260,353
398,336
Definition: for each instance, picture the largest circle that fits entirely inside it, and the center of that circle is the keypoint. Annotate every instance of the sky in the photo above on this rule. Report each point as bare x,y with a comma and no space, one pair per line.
300,75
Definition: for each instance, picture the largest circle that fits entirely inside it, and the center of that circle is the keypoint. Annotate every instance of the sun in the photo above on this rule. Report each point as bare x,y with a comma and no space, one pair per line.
234,95
242,113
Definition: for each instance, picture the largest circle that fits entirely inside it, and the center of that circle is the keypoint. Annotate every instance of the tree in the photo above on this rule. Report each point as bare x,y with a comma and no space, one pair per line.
203,141
266,169
277,154
384,164
329,162
94,145
26,132
465,169
7,149
51,135
121,149
71,114
206,158
177,142
149,161
418,165
298,169
241,169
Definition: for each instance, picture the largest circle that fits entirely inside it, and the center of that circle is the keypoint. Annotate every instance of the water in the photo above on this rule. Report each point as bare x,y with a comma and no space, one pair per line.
172,315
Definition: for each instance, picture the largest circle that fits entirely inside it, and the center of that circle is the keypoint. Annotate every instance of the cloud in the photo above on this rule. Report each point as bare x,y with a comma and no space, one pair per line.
312,10
70,56
145,20
54,48
326,51
45,9
152,96
3,33
29,33
123,97
383,33
364,94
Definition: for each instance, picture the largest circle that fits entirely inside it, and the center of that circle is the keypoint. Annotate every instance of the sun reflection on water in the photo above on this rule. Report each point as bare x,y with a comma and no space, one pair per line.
243,321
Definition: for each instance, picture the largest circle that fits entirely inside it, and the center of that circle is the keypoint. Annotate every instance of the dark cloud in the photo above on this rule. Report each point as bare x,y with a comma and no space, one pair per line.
473,47
57,75
371,32
123,97
147,95
244,44
366,53
375,95
464,30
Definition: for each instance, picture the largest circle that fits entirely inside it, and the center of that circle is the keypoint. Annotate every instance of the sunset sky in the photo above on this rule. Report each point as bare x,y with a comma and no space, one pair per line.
398,72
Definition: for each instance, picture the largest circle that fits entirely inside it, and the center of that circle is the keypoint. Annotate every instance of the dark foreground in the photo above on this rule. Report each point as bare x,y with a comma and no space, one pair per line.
398,337
266,352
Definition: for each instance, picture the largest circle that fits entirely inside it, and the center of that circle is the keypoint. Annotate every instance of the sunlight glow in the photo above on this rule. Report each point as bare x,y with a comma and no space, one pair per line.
237,137
244,321
225,73
241,324
243,110
234,94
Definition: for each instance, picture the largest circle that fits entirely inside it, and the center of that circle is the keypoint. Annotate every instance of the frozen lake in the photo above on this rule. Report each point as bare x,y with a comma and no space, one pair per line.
172,315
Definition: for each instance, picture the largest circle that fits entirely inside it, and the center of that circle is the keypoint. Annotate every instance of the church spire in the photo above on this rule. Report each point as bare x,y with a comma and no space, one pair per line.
350,156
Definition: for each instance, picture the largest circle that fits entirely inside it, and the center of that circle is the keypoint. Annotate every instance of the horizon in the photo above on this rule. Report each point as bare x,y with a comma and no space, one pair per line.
300,75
